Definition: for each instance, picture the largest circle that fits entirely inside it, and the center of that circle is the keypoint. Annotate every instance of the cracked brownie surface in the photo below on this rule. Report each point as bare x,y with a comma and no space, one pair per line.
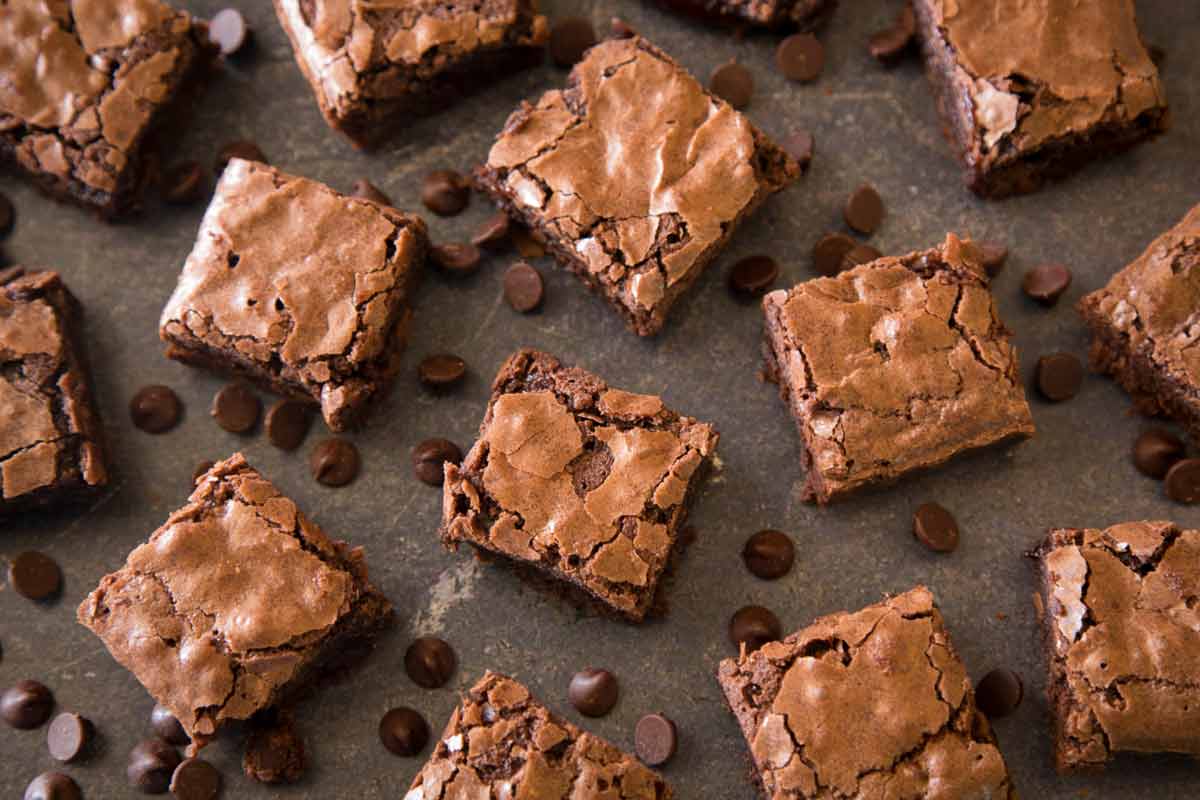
804,14
372,65
501,743
634,176
50,443
1121,622
81,83
235,604
894,366
1145,330
1030,90
302,289
868,704
577,480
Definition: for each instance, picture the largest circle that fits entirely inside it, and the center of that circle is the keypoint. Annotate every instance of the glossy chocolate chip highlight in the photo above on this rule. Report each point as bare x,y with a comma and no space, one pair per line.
334,462
769,554
155,409
1155,451
430,662
403,731
593,692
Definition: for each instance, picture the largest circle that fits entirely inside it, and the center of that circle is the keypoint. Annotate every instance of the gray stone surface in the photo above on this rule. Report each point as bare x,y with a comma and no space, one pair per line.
871,125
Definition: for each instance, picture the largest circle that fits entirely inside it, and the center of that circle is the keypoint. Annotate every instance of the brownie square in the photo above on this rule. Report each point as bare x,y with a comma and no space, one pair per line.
237,603
894,366
634,176
775,14
1143,325
373,66
1035,90
51,448
82,85
501,742
298,288
578,482
868,704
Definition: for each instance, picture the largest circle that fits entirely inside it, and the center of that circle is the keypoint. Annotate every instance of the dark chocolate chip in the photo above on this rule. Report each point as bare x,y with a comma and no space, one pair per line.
365,190
655,739
236,408
195,779
830,251
800,57
800,145
8,215
35,575
999,693
456,259
1059,376
287,423
523,287
200,470
1046,283
274,751
860,254
26,705
733,83
1156,450
1157,54
622,29
569,40
166,727
935,527
754,626
864,210
889,46
334,462
769,554
53,786
151,764
441,370
593,692
68,736
430,455
430,662
992,256
184,183
753,275
242,148
493,234
445,192
526,243
1183,481
155,409
228,31
403,731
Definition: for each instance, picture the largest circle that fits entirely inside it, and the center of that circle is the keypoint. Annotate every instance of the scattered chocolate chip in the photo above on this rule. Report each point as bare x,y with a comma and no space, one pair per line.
860,254
26,705
441,370
195,779
935,527
334,462
236,408
228,31
445,192
184,183
754,626
68,736
151,764
800,145
456,259
622,29
1182,482
429,456
8,215
753,275
242,148
53,786
527,246
1059,376
403,731
569,40
493,234
35,575
523,287
992,256
655,739
366,190
166,727
430,662
800,57
274,751
287,423
1158,55
830,251
200,470
864,210
593,692
889,46
155,409
1046,283
999,693
769,554
1156,450
733,83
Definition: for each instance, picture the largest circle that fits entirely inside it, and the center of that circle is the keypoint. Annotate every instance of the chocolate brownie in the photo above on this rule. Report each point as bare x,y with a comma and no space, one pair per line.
577,481
299,288
893,366
1122,639
1143,325
50,440
1035,90
868,704
803,14
237,603
634,176
500,742
373,66
81,85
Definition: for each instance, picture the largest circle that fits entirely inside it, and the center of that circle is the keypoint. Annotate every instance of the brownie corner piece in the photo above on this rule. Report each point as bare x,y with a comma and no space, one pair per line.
904,710
578,484
298,288
894,366
1143,325
1122,639
501,742
236,603
51,443
1034,91
772,14
634,176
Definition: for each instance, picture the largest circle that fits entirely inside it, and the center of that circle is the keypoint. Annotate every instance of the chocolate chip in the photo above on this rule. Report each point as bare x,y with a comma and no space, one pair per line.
166,727
523,288
754,626
864,210
593,692
753,275
365,190
53,786
621,29
236,408
1156,450
769,554
274,751
992,256
430,662
800,57
999,693
733,83
655,739
441,370
68,736
1046,283
8,215
860,254
830,251
200,470
889,46
800,145
195,779
1183,481
151,764
1059,376
493,234
155,409
228,31
569,40
26,705
334,462
935,527
429,456
445,192
403,731
35,575
456,259
242,148
184,183
1158,55
526,244
287,423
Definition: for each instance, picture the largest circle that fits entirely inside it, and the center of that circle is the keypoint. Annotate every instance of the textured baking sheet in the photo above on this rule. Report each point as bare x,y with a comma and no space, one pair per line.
870,124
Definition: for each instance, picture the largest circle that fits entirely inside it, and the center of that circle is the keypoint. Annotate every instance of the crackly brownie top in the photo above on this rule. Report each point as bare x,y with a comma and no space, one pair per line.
82,79
502,744
1125,628
635,164
870,704
1042,70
